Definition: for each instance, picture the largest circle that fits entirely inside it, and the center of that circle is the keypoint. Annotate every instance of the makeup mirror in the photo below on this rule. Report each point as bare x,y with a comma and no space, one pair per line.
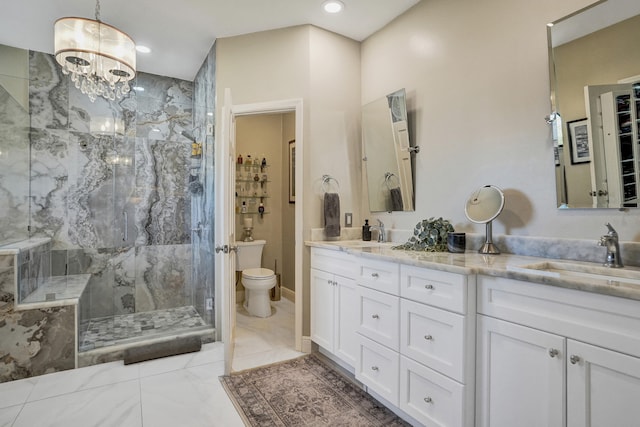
483,206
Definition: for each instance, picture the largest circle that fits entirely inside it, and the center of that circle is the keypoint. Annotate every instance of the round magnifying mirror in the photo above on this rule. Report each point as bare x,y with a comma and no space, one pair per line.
482,207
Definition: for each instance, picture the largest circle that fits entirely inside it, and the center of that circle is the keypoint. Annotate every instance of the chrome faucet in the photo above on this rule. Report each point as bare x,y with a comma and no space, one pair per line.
610,240
381,233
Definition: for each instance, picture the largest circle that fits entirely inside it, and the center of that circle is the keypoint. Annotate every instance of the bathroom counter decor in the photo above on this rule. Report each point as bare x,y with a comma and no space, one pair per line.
429,235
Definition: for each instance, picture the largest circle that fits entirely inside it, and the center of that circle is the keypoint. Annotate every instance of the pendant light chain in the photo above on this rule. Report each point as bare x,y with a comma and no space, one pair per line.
98,10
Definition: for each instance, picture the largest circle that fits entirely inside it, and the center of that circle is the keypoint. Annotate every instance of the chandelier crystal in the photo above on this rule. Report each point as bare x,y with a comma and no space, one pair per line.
100,58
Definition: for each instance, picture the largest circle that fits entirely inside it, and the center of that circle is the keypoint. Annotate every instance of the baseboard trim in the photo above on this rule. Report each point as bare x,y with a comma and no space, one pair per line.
288,294
306,344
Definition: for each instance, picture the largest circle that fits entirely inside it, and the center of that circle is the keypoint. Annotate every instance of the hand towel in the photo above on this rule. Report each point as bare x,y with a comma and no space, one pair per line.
396,199
331,215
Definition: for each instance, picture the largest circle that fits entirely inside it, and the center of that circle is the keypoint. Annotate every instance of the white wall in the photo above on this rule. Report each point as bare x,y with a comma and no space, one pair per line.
322,69
476,74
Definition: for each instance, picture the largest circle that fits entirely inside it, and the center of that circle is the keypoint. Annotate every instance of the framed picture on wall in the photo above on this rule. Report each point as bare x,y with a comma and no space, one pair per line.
292,171
579,141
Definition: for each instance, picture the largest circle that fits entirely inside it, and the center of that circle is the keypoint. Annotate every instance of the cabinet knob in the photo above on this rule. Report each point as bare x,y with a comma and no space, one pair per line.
375,316
428,286
553,352
428,400
375,275
574,359
428,337
334,283
374,368
330,282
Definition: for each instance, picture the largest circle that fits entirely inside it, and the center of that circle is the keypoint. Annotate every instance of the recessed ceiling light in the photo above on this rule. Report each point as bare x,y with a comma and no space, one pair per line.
142,49
333,6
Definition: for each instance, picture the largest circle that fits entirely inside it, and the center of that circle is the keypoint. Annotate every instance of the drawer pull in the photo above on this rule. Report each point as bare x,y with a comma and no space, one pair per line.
428,287
428,337
428,400
574,359
553,352
376,275
375,316
374,368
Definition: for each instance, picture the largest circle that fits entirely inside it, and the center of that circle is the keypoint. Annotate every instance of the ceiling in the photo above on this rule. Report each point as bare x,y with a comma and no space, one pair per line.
181,33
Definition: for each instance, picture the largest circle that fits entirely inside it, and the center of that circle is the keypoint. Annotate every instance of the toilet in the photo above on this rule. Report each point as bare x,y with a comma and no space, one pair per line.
256,280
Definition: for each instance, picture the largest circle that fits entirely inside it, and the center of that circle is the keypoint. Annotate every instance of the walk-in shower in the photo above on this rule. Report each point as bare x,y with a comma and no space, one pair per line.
111,184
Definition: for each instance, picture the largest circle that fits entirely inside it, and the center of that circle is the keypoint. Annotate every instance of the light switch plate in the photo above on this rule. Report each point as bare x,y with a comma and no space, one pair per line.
348,219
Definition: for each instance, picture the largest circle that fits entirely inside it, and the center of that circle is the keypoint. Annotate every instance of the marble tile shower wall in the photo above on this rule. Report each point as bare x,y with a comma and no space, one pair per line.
116,206
34,268
14,167
41,340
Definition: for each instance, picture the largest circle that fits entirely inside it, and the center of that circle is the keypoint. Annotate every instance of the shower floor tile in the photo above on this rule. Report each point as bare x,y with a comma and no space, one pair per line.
108,331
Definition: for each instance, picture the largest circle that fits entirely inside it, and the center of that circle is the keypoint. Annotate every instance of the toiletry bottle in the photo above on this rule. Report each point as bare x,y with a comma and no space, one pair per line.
263,164
248,162
240,159
366,231
243,209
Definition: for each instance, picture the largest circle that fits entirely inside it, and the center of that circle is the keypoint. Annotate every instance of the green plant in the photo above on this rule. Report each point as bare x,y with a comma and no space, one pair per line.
429,235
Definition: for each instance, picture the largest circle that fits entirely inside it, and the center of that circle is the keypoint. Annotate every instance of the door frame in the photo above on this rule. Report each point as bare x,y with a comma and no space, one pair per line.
286,106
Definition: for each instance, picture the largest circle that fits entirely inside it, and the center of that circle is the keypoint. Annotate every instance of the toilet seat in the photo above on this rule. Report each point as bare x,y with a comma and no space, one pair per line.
257,273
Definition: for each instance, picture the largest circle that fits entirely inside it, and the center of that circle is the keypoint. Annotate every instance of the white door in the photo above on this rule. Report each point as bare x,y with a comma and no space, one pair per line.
225,227
346,320
603,387
520,376
322,309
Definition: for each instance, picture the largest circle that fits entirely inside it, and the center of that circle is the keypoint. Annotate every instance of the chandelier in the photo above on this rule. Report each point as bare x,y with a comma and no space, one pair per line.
100,58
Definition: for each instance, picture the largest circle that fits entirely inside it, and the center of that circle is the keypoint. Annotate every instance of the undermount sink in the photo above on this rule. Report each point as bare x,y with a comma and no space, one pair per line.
565,269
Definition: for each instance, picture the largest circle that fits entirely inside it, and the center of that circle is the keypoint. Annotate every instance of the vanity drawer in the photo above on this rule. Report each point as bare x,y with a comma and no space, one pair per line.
380,275
431,398
379,316
378,369
437,288
335,262
433,337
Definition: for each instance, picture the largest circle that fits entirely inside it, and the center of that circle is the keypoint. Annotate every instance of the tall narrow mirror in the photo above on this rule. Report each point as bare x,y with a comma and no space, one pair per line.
387,154
595,89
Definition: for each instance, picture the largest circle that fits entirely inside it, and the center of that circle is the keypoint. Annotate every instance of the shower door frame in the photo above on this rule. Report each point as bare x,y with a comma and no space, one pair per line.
272,107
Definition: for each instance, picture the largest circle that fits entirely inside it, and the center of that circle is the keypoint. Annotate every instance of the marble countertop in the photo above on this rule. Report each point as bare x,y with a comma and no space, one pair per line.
584,276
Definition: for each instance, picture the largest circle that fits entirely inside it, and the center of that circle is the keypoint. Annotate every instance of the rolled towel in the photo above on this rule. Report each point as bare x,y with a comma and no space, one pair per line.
331,214
396,199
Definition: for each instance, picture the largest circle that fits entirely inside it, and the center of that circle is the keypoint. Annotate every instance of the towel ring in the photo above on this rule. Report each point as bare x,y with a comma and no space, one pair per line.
387,180
326,179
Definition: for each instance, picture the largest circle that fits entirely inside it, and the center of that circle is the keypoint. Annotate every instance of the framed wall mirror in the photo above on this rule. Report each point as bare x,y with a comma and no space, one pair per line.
387,154
594,67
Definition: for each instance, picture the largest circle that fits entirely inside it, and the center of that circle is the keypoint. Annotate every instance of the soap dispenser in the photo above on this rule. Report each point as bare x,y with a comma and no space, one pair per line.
366,231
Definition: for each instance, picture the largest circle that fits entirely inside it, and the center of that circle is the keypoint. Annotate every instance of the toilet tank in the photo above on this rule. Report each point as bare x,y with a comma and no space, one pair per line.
249,254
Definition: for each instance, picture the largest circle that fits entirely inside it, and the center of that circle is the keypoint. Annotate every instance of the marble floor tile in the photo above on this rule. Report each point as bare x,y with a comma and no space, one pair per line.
111,405
182,390
8,415
16,392
74,380
192,396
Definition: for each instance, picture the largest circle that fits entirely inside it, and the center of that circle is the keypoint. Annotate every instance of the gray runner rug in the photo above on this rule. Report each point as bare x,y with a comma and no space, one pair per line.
306,391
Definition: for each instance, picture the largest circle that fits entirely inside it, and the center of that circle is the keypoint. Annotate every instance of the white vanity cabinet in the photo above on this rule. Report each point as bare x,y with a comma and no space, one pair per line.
333,302
417,341
549,356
